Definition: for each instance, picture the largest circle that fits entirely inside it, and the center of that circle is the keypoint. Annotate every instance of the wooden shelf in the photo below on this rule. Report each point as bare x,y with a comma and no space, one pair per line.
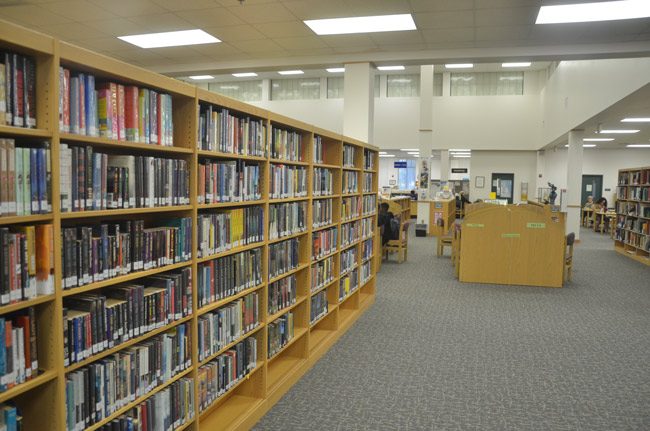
281,369
283,200
220,155
5,220
348,168
227,395
10,308
230,204
330,310
20,132
275,316
238,406
231,251
315,260
221,302
286,237
123,278
34,382
127,145
334,196
232,344
352,244
288,162
326,166
327,226
325,286
293,271
124,212
297,334
347,297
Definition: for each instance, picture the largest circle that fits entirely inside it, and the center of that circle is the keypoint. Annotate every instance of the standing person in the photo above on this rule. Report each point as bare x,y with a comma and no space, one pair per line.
384,219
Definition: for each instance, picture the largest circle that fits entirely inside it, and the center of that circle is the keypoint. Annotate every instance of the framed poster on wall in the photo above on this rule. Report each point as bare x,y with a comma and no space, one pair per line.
479,182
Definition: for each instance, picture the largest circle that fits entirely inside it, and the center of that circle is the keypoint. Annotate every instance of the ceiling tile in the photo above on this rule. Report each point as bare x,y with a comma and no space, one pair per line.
235,32
78,10
300,42
272,54
506,16
450,45
400,49
340,40
354,50
102,44
161,23
130,8
257,46
217,50
115,27
450,19
490,4
377,7
465,34
317,9
254,14
31,15
214,17
506,33
284,29
311,52
178,5
71,30
247,3
396,37
178,52
441,5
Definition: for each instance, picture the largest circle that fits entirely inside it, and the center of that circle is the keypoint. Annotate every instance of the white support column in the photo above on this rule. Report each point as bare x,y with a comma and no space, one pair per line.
540,178
444,166
574,182
425,133
446,84
359,101
266,90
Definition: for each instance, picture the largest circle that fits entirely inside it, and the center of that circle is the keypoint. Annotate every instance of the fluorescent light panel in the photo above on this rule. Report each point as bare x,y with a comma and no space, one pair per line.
622,131
459,66
598,139
383,152
244,74
460,156
170,38
638,145
635,120
524,64
387,68
409,149
362,24
201,77
336,69
583,145
387,155
291,72
459,149
590,12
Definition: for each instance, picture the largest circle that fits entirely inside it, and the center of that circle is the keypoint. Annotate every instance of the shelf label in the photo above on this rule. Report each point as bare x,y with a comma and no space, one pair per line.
536,225
510,235
479,225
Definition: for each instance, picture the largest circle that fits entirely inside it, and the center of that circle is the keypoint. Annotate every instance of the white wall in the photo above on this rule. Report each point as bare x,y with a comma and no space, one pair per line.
595,162
520,163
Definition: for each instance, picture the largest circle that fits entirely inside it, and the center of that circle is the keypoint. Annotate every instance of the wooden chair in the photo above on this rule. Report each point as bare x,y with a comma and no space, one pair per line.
568,257
442,242
399,246
455,249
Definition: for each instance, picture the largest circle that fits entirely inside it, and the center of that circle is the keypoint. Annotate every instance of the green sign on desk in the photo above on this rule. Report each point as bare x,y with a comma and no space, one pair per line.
510,235
536,225
480,225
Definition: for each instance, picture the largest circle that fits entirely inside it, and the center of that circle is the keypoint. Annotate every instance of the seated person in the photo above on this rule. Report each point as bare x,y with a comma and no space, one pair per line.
414,195
601,204
384,219
590,202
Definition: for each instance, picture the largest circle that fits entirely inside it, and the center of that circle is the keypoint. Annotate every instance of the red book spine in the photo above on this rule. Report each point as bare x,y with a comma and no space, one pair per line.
131,114
159,102
112,87
121,113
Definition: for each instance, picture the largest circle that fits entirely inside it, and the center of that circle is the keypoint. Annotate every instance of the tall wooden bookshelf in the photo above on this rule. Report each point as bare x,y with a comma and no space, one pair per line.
41,400
632,237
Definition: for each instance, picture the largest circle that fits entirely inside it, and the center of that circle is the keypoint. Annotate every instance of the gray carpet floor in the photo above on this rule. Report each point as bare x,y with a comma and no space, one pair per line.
436,354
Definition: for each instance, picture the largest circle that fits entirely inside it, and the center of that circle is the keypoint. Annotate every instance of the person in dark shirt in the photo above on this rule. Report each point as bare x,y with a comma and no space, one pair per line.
414,195
383,221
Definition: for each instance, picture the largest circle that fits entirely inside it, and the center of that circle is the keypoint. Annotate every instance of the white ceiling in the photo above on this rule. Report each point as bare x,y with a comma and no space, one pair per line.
269,34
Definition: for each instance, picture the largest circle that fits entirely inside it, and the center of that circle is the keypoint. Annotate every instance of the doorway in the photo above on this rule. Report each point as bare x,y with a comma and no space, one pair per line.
504,186
591,185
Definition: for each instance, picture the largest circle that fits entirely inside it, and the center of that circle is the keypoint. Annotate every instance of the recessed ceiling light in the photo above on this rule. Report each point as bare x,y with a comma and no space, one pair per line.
635,120
459,66
409,149
387,155
638,145
413,153
244,74
291,72
630,131
201,77
170,38
598,139
385,68
458,149
583,145
461,156
361,24
590,12
526,64
383,152
336,69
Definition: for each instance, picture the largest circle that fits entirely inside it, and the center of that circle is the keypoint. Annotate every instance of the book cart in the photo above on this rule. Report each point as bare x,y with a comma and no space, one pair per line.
342,294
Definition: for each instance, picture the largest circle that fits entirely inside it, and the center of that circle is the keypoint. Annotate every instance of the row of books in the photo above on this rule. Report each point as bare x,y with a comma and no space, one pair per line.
350,233
637,240
367,227
633,209
98,390
322,212
283,257
17,90
26,262
348,284
286,144
350,207
369,204
322,273
349,260
634,178
92,180
94,322
10,418
318,149
635,225
324,242
227,229
348,156
25,179
220,130
168,409
287,219
366,271
287,182
228,275
350,182
318,306
282,294
367,249
227,324
223,372
99,252
367,182
18,348
323,182
113,111
280,332
368,160
228,181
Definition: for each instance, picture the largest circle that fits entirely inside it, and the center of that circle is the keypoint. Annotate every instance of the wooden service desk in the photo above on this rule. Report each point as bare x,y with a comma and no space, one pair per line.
438,214
513,244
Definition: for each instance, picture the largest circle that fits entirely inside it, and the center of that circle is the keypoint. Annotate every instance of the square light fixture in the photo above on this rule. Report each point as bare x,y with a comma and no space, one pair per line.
387,155
458,149
383,152
170,38
598,139
621,131
460,153
336,69
386,68
406,150
244,74
459,66
524,64
291,72
201,77
638,145
362,24
583,145
636,120
461,156
595,11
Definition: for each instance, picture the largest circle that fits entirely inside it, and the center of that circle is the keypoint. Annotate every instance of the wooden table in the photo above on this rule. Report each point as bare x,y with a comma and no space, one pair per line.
585,216
599,220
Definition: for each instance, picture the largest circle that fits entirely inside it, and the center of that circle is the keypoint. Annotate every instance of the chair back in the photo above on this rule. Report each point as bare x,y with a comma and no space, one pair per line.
570,239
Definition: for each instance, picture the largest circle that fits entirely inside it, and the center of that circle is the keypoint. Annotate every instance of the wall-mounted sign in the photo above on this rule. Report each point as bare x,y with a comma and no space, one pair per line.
458,170
400,164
